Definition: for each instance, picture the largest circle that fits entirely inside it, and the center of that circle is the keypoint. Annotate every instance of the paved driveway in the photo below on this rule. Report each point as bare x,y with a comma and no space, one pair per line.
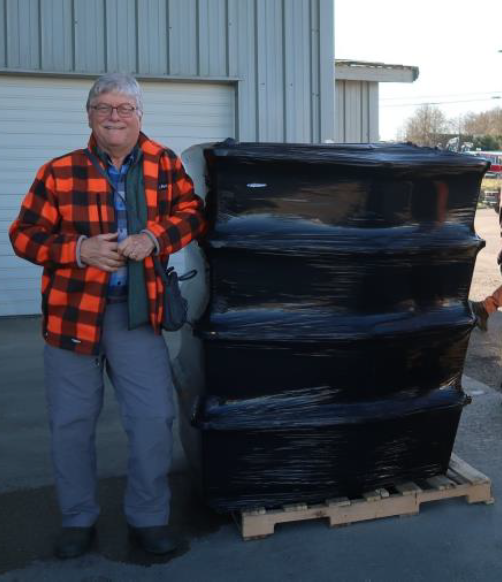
448,540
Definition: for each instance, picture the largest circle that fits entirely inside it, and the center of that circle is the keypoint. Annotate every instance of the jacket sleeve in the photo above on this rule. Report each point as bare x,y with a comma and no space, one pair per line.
35,233
181,217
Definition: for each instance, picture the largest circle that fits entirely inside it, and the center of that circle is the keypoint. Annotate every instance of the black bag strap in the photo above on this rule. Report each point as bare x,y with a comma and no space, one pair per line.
164,273
99,168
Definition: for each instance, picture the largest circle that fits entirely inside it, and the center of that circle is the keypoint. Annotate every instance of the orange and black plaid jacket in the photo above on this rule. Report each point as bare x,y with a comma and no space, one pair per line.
69,198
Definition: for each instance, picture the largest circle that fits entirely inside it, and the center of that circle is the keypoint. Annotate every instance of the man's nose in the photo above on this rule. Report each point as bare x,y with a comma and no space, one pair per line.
115,114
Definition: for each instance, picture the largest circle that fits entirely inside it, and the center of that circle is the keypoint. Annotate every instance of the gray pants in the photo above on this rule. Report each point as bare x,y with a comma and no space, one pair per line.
137,363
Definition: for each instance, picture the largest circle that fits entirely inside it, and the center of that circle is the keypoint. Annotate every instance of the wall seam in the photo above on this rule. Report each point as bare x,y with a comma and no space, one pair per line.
318,66
168,39
227,51
39,4
105,36
311,92
257,71
73,37
6,44
197,36
345,112
285,129
368,111
136,48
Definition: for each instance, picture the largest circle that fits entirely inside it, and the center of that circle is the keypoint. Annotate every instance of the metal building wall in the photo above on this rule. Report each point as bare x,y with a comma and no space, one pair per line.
356,118
279,52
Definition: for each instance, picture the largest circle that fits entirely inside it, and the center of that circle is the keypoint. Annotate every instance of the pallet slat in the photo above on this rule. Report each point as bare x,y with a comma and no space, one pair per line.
408,488
440,482
338,502
461,480
465,470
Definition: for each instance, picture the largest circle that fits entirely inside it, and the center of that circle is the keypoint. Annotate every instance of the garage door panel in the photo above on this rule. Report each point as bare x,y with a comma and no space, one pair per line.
20,294
43,118
21,138
23,282
41,126
10,185
11,306
12,262
5,249
5,223
76,140
8,271
9,201
20,165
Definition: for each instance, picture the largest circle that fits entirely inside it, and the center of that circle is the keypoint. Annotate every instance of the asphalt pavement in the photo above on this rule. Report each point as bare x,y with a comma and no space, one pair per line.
448,540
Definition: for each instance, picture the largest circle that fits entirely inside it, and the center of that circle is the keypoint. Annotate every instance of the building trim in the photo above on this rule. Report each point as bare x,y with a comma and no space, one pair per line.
346,70
153,78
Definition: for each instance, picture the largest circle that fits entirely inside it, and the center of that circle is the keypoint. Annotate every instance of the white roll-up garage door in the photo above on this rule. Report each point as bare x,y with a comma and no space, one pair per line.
42,118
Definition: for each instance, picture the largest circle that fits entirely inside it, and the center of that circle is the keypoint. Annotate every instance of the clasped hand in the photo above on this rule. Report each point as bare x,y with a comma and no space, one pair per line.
104,252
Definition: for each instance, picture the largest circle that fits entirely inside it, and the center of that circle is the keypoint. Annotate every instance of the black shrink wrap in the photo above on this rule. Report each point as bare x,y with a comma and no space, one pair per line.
335,336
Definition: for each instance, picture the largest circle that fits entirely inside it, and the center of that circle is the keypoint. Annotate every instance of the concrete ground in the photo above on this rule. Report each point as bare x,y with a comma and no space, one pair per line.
448,540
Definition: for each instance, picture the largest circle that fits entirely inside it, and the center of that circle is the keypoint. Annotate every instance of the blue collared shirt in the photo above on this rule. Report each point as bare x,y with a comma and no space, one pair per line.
117,285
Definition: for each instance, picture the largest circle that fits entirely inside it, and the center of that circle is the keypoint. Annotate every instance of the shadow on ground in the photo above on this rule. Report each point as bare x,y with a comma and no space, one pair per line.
30,523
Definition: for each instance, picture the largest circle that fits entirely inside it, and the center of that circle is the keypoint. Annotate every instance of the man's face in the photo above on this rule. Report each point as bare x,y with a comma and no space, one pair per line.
114,132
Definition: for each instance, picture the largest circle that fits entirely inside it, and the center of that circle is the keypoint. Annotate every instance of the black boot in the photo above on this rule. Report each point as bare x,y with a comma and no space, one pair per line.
154,540
481,314
73,541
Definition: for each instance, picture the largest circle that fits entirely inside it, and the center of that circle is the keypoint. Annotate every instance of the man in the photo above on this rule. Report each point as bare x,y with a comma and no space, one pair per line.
93,219
483,309
490,304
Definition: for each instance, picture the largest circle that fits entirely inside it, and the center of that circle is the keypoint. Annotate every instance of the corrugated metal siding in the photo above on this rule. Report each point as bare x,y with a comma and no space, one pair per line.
242,53
90,50
152,36
56,35
269,15
280,50
213,22
315,67
183,30
122,36
22,36
356,111
3,35
297,30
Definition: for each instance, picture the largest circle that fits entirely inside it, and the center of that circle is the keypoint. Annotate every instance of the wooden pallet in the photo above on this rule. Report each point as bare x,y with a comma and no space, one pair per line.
461,480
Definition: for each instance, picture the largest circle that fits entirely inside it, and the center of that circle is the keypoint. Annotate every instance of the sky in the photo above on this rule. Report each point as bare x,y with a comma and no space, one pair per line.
455,44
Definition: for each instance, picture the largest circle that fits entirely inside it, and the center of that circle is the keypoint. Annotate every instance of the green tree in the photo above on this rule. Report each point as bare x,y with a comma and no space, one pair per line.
487,142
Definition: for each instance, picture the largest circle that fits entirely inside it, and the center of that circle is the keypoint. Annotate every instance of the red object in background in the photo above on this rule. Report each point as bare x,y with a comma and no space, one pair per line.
495,159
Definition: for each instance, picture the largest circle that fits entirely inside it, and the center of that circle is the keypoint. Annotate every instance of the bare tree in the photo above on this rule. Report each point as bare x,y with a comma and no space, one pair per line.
485,123
426,126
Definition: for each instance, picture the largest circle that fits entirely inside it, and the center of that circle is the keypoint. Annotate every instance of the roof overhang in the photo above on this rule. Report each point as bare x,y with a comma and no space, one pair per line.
380,72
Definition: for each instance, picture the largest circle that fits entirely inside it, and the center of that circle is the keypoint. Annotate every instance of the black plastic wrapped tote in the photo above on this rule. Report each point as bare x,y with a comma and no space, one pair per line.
338,321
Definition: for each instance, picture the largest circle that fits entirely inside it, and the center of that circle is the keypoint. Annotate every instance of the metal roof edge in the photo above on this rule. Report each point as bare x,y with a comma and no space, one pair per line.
349,70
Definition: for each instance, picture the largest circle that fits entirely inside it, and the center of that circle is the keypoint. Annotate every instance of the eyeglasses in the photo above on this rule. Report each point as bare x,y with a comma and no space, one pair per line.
105,110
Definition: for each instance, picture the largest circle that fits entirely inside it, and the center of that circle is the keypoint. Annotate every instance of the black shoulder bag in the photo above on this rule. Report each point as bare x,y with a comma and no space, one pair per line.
175,313
175,305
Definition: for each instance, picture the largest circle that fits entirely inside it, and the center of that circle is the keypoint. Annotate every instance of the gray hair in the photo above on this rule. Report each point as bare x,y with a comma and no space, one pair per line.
117,83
